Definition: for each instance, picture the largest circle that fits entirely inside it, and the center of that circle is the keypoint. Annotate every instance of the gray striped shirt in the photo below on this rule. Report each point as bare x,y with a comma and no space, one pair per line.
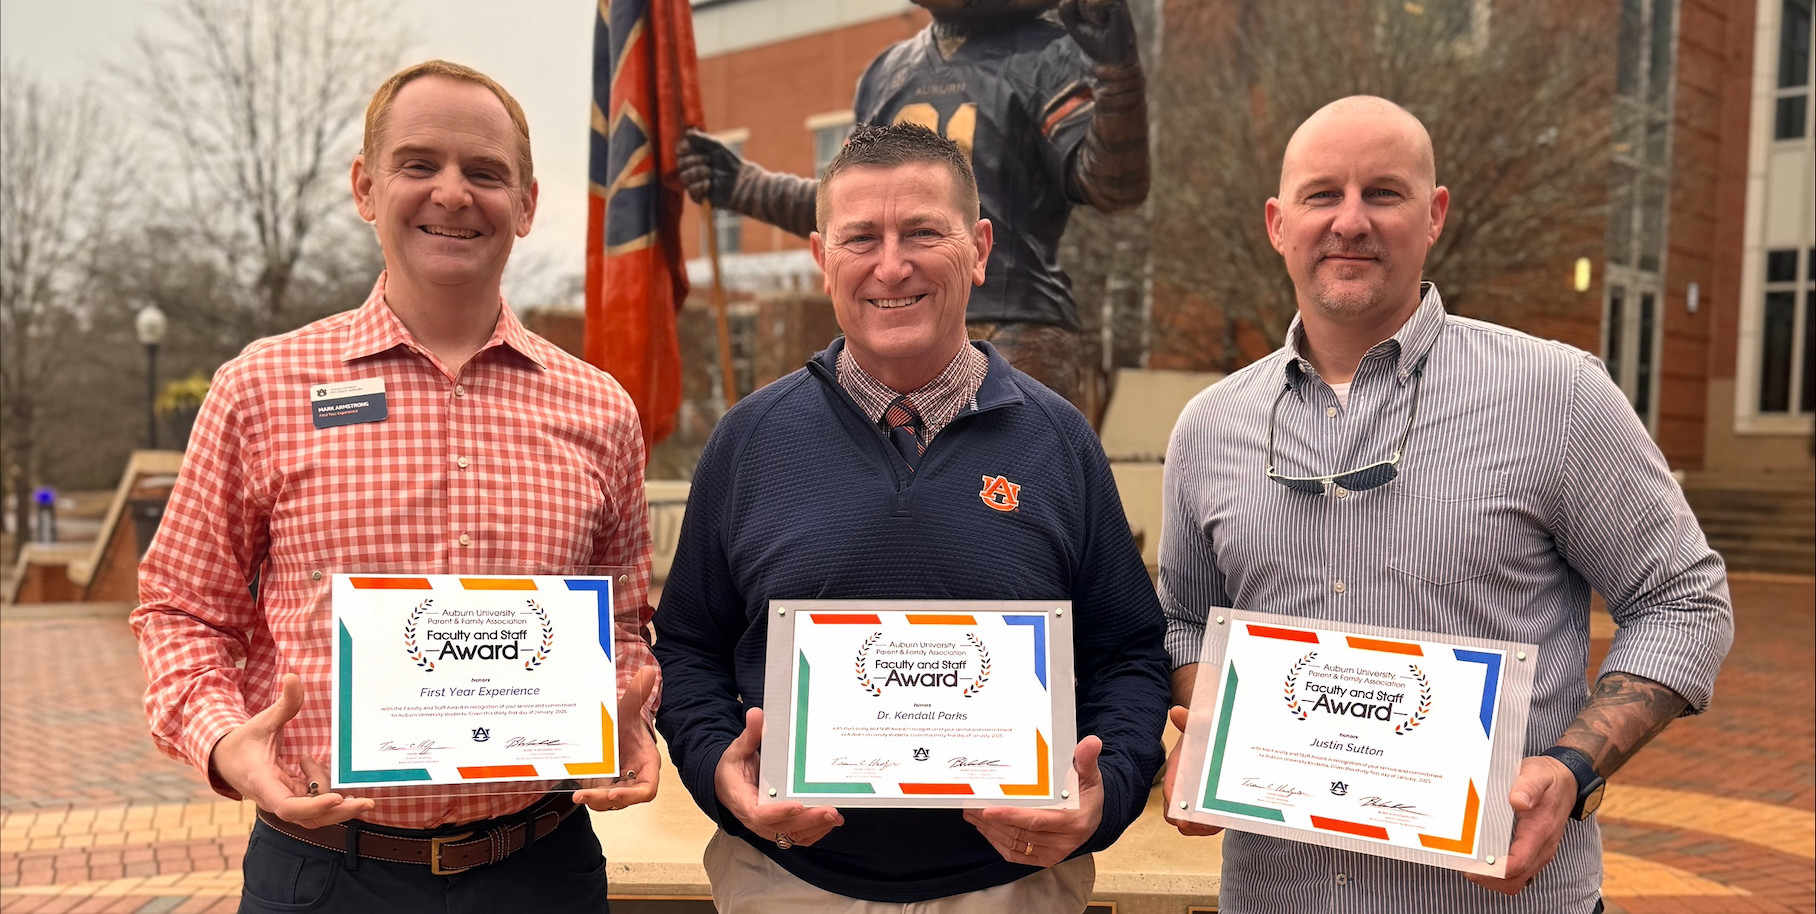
1527,481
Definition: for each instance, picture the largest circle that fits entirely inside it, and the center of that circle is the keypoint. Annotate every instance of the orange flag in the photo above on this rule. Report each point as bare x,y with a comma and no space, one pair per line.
646,92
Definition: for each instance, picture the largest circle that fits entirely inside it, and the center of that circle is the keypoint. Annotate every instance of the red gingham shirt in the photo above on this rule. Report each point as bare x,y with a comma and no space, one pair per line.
529,460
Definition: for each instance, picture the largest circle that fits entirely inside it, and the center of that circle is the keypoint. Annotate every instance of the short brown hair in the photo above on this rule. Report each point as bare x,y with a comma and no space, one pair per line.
378,112
895,145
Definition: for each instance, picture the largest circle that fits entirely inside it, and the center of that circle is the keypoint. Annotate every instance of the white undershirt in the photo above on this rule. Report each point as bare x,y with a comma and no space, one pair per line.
1342,391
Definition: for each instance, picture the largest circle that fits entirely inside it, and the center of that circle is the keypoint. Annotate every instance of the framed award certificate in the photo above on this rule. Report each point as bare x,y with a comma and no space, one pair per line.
947,703
459,679
1392,743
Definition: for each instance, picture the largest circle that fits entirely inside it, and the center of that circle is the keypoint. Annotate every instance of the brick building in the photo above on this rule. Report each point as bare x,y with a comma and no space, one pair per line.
1755,121
1700,284
1725,299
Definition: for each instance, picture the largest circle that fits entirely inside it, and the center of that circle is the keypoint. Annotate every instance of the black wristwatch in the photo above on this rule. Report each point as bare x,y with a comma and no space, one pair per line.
1589,785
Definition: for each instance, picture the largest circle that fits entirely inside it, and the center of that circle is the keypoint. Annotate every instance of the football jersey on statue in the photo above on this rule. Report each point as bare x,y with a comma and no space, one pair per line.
1018,99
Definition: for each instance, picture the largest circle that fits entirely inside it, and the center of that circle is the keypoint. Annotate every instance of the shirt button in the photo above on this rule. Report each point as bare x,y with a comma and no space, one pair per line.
1338,587
1343,879
460,390
1341,492
461,462
1330,411
315,575
466,540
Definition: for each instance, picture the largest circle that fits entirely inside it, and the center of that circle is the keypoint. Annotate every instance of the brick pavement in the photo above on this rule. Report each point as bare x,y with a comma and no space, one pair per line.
1729,797
1718,815
92,817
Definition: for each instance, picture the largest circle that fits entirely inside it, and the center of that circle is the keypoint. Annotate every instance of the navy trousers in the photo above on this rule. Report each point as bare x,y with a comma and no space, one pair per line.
562,873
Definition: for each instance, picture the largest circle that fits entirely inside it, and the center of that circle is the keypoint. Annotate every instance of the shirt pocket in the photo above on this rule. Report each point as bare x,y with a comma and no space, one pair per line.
1451,530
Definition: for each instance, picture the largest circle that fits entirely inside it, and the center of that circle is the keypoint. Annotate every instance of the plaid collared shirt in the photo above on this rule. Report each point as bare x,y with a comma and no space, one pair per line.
526,460
940,401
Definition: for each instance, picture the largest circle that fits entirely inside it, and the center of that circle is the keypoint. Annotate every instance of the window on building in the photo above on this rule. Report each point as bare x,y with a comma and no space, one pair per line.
1459,26
729,226
1459,23
1626,70
1663,34
829,133
743,323
1639,200
1791,115
1787,385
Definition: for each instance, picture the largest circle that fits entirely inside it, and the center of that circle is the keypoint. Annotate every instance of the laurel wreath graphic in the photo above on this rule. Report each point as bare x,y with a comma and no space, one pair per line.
1417,717
863,664
983,666
548,637
1292,685
410,646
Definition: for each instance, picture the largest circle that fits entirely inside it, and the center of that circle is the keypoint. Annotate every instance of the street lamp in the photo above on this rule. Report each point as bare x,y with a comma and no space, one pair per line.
150,325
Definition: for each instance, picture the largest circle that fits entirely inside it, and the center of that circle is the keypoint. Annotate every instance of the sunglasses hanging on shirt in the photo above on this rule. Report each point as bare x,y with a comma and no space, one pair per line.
1360,479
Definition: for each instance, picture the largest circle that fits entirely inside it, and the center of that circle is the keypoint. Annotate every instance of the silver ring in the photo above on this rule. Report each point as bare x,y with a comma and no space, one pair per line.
783,841
314,787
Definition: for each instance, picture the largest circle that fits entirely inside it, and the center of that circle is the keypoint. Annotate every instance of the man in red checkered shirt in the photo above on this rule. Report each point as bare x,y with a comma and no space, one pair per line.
490,450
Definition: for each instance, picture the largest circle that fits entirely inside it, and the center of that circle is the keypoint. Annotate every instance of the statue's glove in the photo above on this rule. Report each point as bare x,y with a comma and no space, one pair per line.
1103,29
709,168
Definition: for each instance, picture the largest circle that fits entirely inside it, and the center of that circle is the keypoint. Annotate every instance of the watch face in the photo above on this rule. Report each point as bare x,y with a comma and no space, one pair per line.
1593,800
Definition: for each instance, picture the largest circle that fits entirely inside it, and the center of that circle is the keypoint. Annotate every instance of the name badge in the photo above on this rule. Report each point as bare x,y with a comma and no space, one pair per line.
348,402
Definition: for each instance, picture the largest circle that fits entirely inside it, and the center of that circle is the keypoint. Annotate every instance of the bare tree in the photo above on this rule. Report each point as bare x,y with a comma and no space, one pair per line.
61,182
259,103
1518,99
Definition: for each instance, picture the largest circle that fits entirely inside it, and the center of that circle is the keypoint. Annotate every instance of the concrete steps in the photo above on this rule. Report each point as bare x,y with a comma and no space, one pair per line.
1757,523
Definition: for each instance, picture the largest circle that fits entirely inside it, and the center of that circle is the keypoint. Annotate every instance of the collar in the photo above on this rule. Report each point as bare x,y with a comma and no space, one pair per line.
998,389
938,401
1408,346
375,329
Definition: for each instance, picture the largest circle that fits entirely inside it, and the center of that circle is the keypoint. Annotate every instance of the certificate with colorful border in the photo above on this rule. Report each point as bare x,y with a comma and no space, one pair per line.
1392,743
919,704
462,679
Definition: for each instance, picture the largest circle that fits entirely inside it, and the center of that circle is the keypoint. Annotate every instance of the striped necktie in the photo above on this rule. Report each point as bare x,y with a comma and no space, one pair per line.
905,426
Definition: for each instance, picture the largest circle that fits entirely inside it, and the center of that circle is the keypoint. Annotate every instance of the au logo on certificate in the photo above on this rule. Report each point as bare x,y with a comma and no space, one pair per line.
919,704
461,679
1393,743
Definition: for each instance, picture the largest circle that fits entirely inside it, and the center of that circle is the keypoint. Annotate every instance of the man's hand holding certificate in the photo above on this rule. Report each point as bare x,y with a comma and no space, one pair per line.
461,678
1391,743
922,704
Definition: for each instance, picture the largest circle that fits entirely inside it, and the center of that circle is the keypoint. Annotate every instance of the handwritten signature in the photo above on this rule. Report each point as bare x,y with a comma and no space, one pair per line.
518,742
876,763
962,762
418,746
1378,803
1284,789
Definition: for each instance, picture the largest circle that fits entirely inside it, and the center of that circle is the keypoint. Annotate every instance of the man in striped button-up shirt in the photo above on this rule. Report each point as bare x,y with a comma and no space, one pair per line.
1525,480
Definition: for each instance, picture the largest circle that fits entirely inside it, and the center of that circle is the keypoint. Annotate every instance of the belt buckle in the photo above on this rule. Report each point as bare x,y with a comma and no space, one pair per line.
435,844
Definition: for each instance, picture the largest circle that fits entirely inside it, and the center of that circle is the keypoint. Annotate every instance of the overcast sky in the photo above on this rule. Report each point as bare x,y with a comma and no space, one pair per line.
541,50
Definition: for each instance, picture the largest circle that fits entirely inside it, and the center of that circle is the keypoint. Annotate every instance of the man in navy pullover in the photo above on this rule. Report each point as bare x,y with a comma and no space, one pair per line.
905,462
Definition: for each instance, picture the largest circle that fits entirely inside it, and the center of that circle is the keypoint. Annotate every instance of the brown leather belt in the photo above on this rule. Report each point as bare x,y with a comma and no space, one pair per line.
444,855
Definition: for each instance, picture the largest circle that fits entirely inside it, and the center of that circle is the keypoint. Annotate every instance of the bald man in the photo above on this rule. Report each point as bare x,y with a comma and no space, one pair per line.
1395,465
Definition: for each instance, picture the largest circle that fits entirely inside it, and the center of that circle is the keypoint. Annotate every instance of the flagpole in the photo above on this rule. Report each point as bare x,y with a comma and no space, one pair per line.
712,252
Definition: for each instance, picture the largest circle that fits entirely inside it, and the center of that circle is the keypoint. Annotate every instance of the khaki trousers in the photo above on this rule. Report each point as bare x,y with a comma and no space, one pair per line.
744,881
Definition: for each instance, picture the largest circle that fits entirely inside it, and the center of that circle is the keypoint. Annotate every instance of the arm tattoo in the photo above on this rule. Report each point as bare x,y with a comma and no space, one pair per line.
1624,714
1184,679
